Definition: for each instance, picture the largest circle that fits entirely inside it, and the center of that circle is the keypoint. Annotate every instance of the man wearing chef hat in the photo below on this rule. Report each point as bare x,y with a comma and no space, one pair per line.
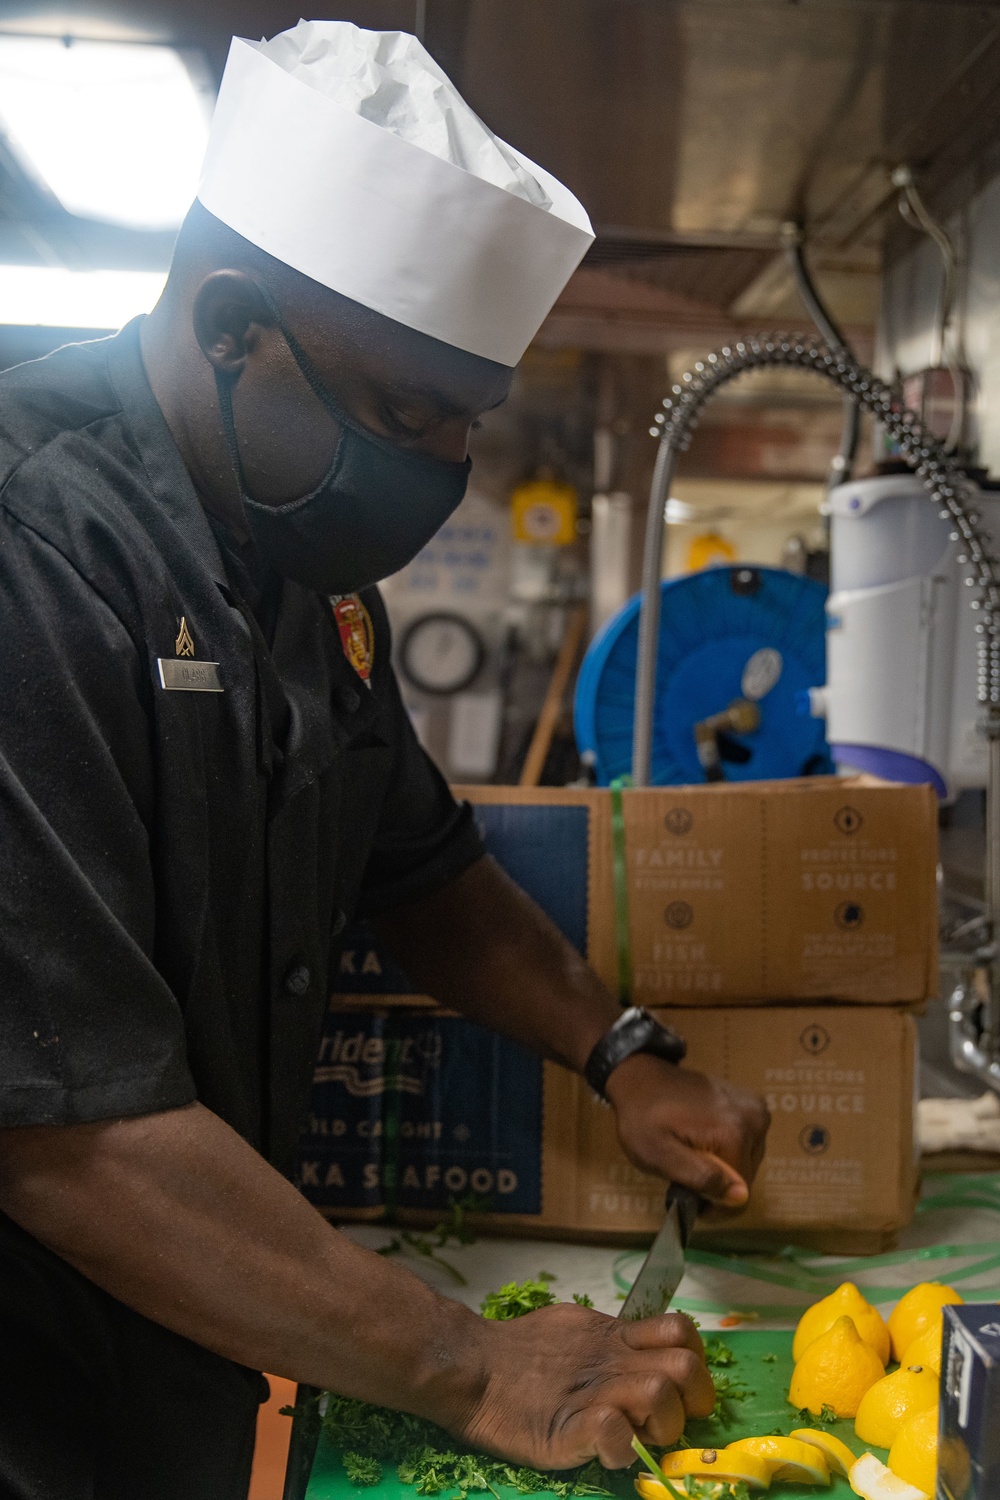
206,769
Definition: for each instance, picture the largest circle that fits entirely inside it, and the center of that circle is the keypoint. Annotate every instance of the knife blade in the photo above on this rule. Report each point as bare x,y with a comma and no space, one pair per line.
660,1273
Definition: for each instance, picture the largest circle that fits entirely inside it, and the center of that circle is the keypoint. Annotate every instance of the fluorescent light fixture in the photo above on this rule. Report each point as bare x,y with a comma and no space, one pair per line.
676,512
116,130
55,297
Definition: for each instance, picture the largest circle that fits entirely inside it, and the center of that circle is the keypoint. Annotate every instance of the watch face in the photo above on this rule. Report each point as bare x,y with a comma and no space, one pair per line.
441,653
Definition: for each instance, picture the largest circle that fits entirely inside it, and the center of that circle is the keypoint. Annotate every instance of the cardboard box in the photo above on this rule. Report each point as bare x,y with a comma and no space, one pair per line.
822,888
414,1108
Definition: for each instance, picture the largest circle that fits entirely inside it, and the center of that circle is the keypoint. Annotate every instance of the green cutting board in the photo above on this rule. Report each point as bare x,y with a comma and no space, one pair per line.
759,1413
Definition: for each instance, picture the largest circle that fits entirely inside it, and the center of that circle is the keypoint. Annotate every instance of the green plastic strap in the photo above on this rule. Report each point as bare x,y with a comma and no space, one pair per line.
809,1290
620,869
824,1267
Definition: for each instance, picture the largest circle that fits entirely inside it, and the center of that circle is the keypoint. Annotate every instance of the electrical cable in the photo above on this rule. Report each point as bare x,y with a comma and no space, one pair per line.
842,466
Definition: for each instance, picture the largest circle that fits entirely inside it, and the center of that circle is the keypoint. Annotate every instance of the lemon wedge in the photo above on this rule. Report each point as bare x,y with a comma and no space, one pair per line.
925,1349
845,1301
836,1370
914,1451
840,1460
794,1462
887,1404
919,1310
873,1481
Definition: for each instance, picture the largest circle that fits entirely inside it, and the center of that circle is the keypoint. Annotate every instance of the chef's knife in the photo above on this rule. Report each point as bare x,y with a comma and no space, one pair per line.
661,1271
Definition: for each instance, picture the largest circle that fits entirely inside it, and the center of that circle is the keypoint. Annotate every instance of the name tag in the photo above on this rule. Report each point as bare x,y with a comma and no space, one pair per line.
182,675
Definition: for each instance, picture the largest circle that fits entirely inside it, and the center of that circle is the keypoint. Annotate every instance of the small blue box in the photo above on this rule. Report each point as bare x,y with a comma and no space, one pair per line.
969,1454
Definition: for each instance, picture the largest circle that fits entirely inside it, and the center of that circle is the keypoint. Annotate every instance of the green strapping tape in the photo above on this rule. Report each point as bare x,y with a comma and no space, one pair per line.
620,871
827,1266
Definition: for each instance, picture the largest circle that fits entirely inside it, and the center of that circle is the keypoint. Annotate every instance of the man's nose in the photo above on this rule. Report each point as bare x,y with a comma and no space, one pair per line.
449,440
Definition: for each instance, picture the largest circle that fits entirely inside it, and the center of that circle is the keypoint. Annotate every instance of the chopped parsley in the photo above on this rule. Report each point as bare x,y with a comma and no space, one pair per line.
372,1438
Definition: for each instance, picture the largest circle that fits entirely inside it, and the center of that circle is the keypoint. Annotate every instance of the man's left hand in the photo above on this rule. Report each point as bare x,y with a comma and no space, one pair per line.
689,1128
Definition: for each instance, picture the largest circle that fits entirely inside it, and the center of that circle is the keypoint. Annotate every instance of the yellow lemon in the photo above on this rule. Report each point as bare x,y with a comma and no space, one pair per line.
914,1451
836,1370
822,1315
916,1312
873,1481
707,1463
890,1401
839,1457
791,1461
926,1348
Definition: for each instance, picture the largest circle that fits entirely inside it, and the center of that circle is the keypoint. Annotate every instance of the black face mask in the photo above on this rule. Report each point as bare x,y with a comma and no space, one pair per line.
377,506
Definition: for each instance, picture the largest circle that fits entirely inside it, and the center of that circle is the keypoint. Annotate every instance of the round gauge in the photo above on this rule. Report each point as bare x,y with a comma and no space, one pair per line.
441,653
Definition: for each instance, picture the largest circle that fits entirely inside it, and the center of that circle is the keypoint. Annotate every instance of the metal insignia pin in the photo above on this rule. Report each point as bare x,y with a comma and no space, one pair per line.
184,644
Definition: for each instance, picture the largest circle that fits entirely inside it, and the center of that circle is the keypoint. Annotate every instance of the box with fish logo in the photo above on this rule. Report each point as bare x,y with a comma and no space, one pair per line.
415,1109
782,891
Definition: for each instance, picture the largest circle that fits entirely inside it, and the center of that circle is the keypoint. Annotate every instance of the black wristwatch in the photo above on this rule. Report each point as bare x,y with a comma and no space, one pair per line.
634,1031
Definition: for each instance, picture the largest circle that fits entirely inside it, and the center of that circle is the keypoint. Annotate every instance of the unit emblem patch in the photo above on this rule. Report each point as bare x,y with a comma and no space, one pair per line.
357,634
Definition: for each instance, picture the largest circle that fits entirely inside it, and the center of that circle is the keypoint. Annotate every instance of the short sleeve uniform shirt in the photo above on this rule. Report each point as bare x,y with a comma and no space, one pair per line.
175,865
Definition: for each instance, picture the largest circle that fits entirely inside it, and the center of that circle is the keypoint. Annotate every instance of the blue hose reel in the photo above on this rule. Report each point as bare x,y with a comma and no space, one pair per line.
728,635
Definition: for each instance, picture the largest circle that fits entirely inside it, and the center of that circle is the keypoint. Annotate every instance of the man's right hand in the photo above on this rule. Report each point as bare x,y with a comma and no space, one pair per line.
566,1384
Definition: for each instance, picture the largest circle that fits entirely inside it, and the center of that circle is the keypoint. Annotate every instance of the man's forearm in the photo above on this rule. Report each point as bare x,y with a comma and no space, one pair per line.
179,1218
482,947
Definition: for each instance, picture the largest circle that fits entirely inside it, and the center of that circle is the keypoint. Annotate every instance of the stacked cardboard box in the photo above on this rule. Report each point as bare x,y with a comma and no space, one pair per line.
786,929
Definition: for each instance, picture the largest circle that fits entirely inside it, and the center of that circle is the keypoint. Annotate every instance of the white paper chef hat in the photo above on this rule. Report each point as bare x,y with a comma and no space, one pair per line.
348,155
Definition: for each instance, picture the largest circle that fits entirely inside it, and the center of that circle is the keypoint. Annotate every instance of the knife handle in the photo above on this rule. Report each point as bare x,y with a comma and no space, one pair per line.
689,1205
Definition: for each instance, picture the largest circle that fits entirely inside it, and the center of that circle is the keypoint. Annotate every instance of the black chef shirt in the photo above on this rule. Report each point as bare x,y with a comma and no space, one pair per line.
176,866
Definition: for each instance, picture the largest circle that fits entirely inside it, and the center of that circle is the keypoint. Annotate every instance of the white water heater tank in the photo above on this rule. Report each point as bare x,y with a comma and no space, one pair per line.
901,657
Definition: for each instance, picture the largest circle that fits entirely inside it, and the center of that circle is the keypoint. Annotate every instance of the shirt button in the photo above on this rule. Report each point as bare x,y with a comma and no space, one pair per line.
339,923
348,700
297,980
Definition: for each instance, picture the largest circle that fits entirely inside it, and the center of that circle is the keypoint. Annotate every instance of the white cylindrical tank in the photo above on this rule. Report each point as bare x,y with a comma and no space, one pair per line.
901,642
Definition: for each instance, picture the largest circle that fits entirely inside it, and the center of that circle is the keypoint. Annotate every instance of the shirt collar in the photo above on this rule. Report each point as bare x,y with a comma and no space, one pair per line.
160,456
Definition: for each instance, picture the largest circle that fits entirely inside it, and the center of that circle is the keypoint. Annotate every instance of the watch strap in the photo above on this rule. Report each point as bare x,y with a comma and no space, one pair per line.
634,1031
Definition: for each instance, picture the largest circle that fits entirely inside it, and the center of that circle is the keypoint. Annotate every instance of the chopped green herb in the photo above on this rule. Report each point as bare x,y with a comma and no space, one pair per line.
515,1299
769,1359
717,1353
582,1300
828,1415
427,1457
362,1470
728,1389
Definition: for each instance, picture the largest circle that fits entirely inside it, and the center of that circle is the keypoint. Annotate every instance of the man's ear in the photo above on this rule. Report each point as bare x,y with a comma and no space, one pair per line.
227,311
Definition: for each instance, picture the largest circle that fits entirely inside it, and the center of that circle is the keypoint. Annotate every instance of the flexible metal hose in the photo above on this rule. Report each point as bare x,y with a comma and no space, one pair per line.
947,485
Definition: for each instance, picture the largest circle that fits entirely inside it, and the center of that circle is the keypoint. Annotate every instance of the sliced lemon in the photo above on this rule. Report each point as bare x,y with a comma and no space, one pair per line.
840,1460
873,1481
707,1463
925,1349
846,1300
890,1401
914,1451
836,1370
919,1310
794,1462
